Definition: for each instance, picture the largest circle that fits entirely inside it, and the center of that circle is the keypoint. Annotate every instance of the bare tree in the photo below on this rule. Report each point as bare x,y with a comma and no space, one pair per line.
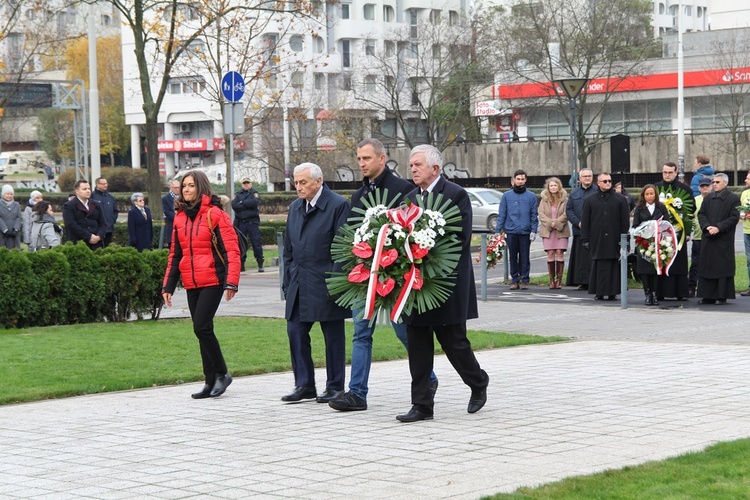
729,103
543,40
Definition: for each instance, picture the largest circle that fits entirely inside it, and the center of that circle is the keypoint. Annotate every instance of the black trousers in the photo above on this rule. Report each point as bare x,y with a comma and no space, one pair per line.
251,230
203,303
695,258
301,350
457,348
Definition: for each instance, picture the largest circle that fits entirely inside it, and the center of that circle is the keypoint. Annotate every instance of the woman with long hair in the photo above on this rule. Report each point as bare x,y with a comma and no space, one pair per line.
648,208
44,232
205,254
553,228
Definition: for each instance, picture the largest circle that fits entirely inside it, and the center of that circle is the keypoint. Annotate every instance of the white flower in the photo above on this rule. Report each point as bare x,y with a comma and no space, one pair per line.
662,197
677,203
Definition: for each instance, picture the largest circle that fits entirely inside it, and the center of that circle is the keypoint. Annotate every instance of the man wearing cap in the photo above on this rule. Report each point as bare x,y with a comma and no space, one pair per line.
247,219
704,186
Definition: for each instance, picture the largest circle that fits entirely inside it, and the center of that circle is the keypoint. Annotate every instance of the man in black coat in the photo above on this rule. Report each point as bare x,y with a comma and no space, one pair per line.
676,284
377,178
83,217
108,207
718,218
314,219
448,321
247,219
167,208
605,217
579,264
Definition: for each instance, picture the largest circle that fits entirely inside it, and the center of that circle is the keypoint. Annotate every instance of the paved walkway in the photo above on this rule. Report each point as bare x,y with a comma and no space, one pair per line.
636,385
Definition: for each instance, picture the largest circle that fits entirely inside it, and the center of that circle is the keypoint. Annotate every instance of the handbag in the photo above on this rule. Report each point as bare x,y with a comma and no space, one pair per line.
241,241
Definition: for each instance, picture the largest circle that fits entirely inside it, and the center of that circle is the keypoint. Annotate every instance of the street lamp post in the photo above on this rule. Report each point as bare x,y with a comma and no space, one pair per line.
572,88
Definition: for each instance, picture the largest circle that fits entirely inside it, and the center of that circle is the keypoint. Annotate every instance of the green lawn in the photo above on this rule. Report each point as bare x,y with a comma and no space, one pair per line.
721,471
59,361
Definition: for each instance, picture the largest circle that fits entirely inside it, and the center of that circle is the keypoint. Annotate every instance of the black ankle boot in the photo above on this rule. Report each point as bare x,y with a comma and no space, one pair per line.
654,302
260,265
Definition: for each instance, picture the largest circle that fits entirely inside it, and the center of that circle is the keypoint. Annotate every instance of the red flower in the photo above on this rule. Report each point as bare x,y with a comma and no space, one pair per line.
641,241
388,257
359,274
362,250
418,252
418,281
385,287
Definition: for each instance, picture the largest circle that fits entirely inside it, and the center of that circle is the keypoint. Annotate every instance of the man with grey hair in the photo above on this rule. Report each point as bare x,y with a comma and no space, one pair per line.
718,218
314,219
377,177
167,208
448,321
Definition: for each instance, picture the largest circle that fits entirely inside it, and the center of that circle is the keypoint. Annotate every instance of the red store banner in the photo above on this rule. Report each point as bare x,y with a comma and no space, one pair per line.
638,83
192,145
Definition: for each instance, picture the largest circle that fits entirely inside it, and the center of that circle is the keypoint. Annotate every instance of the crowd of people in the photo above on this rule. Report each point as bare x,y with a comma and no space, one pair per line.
704,216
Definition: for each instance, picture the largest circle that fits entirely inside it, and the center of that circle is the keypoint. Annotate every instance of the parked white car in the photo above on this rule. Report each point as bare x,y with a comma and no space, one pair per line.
485,203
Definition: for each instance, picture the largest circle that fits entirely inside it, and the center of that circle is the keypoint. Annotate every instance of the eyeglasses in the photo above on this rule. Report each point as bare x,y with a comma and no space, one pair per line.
246,182
606,181
715,182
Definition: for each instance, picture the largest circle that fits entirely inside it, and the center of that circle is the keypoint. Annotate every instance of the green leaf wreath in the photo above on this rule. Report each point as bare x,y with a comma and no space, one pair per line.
433,244
681,208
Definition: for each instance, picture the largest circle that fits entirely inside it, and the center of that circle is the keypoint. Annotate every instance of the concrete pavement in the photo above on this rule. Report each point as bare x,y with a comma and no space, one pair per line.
636,385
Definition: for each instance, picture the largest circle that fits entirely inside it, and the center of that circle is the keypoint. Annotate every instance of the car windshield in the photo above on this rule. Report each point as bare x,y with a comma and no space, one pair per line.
490,197
3,162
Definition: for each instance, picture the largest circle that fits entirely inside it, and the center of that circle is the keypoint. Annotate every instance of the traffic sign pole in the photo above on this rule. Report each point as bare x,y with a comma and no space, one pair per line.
233,88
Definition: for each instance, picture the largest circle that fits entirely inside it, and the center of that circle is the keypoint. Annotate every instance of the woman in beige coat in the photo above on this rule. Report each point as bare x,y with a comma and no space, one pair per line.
553,228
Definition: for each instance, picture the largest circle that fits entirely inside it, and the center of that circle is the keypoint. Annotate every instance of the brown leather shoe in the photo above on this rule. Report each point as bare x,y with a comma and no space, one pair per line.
515,286
746,293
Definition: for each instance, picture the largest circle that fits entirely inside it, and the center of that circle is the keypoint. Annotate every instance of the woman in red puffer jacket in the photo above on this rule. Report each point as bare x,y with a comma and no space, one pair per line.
207,272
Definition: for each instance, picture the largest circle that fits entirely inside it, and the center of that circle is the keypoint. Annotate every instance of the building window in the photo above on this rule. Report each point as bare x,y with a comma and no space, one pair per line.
369,47
317,8
413,51
453,18
369,12
662,9
346,81
435,16
344,11
320,81
414,91
370,83
547,123
712,113
390,49
320,45
637,117
388,13
436,51
390,83
346,54
413,23
295,43
270,41
297,80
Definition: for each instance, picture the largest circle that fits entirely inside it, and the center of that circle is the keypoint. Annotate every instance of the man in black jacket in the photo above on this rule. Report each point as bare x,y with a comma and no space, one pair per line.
447,322
377,178
83,217
167,208
108,207
247,219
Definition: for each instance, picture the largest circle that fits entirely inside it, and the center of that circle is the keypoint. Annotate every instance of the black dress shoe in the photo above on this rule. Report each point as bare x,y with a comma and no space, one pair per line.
220,385
414,415
477,400
721,302
598,297
204,393
433,387
329,395
703,302
299,394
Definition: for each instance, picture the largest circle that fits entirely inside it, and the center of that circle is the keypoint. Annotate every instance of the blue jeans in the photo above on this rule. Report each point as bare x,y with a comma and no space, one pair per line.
362,352
747,253
519,247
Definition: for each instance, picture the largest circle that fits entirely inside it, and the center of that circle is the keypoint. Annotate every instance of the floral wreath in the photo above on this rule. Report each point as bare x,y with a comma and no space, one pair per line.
681,208
744,210
495,248
646,236
396,259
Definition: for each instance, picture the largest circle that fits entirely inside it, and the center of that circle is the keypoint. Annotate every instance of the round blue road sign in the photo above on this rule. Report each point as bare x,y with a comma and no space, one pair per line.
233,86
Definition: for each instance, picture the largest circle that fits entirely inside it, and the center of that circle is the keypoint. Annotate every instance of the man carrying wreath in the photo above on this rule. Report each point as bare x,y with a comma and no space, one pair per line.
377,177
448,321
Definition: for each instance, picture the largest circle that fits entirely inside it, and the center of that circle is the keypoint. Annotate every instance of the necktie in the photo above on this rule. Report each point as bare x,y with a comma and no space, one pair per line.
424,197
143,212
371,186
307,210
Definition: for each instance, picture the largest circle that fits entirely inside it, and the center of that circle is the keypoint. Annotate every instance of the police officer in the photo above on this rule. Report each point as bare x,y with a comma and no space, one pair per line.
247,219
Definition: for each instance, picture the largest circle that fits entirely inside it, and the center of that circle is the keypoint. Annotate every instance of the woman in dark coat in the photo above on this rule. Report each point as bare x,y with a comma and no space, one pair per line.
10,219
140,224
648,208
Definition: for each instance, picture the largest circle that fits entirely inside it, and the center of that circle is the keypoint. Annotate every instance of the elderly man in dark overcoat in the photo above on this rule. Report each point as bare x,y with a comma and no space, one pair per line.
314,219
448,321
718,218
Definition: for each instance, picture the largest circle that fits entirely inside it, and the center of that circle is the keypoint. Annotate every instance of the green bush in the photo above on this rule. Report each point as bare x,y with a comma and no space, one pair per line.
72,284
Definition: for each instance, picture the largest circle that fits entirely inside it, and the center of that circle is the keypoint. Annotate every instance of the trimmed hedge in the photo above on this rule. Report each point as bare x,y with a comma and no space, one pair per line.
71,284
